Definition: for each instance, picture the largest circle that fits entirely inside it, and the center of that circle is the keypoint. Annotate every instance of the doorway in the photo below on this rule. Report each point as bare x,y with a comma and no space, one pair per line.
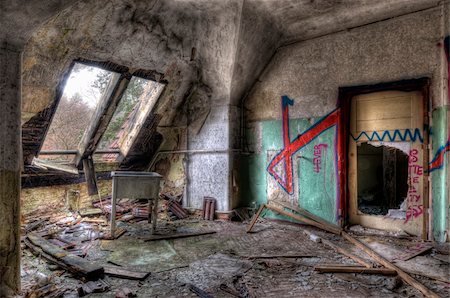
386,161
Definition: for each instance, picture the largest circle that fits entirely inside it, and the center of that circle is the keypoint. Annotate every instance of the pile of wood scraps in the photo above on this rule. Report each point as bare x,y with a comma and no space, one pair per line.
126,210
63,258
384,266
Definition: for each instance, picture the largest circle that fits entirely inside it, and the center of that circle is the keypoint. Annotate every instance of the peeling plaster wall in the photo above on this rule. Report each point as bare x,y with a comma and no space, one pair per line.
48,197
136,34
310,73
192,44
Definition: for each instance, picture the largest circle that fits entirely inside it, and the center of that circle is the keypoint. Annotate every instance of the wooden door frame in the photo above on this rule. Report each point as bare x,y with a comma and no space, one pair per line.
344,105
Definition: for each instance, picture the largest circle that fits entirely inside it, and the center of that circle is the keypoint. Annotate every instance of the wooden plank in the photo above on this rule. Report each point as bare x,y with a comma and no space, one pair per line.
352,269
342,250
62,258
177,236
405,276
46,164
89,174
73,263
125,273
287,256
308,214
303,219
144,107
414,251
347,253
255,218
90,212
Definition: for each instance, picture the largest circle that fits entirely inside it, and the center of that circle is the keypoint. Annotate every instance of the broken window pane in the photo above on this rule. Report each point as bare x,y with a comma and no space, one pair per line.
126,105
136,103
382,177
82,93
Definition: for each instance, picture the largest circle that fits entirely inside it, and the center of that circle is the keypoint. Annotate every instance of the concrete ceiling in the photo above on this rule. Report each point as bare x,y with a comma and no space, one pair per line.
232,40
20,18
305,19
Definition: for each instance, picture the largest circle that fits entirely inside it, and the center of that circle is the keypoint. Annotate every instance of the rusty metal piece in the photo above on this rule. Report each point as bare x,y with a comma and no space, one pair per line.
209,208
205,202
206,209
140,212
150,209
212,208
177,210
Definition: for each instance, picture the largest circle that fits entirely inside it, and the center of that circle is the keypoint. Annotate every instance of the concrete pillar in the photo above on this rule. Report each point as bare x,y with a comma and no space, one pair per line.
209,170
10,167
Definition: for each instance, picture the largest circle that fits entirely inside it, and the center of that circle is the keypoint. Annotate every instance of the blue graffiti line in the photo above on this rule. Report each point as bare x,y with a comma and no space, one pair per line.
392,136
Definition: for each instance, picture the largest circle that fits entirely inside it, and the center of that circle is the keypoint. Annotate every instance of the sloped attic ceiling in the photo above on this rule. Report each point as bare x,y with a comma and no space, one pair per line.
160,35
219,46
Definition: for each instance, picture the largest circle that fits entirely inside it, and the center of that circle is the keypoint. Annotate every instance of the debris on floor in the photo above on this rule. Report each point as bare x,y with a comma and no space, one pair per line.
193,257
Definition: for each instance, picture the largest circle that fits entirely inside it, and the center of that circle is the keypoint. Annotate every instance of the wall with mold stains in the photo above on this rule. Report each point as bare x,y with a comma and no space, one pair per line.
48,197
310,73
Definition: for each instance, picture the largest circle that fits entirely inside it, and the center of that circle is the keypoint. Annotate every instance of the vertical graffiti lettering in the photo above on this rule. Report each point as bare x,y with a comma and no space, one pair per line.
415,171
317,161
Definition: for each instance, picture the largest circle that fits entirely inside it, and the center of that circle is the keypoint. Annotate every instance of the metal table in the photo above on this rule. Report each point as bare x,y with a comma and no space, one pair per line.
135,185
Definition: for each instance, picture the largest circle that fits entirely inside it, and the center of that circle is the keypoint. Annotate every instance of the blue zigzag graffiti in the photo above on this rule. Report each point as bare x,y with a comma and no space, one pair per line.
392,136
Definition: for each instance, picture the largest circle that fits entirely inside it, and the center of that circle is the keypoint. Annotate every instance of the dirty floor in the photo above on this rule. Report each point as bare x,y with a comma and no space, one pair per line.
276,260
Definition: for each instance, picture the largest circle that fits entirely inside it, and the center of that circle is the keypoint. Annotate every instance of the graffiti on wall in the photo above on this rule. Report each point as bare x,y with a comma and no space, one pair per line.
290,147
415,172
391,136
319,151
438,160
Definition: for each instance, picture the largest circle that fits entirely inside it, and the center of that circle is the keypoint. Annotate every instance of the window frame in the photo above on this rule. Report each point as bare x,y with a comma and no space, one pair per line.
104,111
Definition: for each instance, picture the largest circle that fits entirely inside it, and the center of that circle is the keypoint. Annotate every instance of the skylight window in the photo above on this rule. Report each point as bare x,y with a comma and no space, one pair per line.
82,93
100,114
136,103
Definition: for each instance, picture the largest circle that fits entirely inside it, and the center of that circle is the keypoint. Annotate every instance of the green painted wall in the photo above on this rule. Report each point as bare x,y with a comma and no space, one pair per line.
439,177
316,191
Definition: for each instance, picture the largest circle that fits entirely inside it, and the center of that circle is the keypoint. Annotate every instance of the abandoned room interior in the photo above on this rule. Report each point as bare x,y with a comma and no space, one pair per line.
224,148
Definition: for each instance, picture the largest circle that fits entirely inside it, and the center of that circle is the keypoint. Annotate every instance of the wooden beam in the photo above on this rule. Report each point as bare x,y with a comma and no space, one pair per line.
347,253
304,220
177,236
75,152
380,259
287,256
352,269
102,116
89,174
308,214
342,251
255,218
125,273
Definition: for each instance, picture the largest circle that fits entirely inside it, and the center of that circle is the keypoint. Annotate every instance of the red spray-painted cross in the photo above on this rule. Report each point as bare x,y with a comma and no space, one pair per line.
291,147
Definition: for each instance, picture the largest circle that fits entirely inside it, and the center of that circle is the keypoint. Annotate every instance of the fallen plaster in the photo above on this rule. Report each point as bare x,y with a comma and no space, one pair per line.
405,147
248,264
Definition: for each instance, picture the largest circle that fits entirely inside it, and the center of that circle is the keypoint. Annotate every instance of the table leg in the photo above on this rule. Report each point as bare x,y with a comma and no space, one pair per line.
154,215
113,210
150,210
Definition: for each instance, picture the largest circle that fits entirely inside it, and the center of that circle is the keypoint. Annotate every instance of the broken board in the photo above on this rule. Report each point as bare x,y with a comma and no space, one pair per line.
71,262
125,273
